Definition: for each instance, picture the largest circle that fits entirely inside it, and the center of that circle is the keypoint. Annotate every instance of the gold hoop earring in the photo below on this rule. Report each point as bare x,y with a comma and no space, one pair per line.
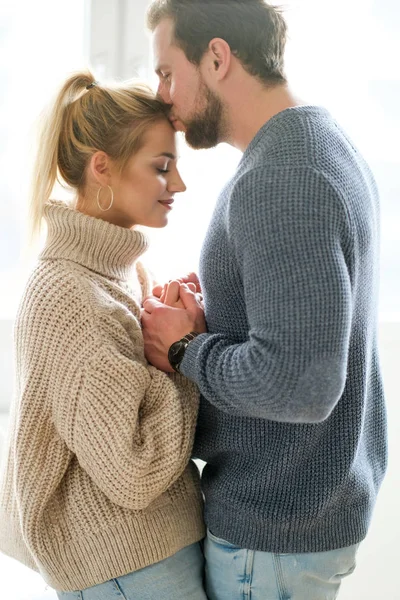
111,201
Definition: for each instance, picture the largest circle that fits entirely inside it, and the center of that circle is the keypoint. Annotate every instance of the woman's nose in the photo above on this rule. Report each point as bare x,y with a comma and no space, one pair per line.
177,184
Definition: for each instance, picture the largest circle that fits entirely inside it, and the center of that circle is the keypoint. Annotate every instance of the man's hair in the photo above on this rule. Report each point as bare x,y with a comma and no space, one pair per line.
254,30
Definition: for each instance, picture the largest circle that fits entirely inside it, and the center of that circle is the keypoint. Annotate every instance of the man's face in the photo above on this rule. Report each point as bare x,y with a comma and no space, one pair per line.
195,109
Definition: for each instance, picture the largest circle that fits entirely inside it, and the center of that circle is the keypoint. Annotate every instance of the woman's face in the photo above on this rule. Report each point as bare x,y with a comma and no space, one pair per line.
144,192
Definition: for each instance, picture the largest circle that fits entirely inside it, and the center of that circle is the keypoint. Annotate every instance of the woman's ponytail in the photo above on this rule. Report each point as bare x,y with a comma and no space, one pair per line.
52,128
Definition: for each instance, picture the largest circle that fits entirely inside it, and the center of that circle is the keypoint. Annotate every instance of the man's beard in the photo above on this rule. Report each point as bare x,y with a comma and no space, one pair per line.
207,129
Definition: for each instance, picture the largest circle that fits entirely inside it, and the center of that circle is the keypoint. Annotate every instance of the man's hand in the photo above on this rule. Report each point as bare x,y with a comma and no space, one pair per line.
163,324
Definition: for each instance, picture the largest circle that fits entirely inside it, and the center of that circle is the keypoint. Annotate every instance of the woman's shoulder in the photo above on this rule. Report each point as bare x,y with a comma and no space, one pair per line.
54,284
66,298
57,302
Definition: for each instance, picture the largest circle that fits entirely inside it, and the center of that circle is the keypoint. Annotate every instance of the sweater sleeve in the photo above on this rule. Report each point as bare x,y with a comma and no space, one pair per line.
130,425
134,428
290,236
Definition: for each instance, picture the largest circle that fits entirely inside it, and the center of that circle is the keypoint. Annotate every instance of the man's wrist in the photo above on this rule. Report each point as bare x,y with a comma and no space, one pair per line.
177,350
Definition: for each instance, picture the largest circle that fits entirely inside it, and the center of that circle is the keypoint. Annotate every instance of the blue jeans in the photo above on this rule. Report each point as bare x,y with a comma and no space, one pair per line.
233,573
179,577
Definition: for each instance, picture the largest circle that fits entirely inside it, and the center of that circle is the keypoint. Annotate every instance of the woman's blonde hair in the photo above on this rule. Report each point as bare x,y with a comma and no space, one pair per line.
87,117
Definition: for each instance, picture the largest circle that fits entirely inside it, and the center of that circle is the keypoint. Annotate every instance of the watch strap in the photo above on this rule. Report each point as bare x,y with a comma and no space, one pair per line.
184,342
189,337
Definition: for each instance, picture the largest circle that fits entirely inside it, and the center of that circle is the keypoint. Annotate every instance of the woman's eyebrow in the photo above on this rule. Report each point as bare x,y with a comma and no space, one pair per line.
167,155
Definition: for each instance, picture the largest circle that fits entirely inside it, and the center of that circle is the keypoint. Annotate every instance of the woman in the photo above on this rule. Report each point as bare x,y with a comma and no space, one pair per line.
98,493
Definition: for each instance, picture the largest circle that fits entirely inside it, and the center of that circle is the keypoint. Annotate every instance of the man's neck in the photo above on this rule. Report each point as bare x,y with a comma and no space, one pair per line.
251,108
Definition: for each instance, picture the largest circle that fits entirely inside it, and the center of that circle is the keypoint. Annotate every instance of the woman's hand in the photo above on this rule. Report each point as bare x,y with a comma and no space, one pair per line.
190,279
171,293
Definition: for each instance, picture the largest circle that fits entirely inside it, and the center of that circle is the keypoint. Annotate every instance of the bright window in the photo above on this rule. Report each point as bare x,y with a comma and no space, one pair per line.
41,42
341,54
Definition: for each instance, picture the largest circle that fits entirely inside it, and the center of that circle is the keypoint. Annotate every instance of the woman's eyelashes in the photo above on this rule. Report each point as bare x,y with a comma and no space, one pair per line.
163,168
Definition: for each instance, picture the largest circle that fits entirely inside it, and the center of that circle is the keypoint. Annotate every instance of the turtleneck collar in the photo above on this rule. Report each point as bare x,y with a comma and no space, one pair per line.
100,246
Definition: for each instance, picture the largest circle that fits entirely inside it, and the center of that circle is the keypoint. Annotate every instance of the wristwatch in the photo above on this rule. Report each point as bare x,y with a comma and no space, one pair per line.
177,351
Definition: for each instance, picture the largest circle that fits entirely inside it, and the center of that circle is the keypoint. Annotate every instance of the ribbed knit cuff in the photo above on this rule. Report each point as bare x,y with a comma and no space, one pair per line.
189,366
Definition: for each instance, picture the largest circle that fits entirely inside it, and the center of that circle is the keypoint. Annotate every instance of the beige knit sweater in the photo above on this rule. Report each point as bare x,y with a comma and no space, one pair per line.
96,481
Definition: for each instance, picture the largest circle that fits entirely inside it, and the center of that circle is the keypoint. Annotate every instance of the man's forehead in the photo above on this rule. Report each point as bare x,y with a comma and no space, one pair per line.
165,51
163,36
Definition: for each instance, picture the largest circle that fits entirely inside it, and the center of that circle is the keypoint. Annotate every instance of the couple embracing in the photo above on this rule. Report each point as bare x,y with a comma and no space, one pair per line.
265,366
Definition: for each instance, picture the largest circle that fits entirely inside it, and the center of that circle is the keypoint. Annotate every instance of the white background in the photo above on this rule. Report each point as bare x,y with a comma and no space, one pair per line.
343,55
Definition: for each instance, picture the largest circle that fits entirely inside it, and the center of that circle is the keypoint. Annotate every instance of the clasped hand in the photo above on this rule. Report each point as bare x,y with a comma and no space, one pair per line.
173,310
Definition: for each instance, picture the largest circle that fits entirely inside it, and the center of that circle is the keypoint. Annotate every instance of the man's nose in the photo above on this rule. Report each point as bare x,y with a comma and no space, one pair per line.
163,92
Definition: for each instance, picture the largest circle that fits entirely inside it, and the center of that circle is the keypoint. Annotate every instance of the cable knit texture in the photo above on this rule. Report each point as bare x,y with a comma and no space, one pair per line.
292,418
96,481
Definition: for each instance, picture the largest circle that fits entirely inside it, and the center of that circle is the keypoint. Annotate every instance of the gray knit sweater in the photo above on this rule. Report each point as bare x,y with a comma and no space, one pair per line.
292,421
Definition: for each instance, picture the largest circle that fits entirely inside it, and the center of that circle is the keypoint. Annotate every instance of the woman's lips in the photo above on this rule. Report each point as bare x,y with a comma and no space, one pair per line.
167,203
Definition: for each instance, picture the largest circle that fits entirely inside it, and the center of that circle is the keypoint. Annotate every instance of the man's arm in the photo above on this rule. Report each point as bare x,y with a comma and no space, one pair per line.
290,234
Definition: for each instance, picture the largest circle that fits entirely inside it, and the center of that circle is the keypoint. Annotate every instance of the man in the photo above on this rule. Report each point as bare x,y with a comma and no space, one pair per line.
292,421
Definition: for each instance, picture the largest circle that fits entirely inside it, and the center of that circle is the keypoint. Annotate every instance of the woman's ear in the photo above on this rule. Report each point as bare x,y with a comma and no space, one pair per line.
100,168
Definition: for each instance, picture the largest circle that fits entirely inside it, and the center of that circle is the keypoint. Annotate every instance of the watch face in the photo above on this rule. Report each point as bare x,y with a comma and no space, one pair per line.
176,353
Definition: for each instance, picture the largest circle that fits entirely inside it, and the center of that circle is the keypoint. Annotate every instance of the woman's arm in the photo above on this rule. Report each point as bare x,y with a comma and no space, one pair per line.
133,428
130,425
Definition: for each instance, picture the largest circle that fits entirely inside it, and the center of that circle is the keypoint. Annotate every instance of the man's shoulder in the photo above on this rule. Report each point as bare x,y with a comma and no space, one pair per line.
301,149
288,136
270,178
270,197
302,136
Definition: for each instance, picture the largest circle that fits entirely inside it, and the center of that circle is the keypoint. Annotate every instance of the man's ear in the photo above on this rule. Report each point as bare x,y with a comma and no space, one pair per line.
100,167
220,55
